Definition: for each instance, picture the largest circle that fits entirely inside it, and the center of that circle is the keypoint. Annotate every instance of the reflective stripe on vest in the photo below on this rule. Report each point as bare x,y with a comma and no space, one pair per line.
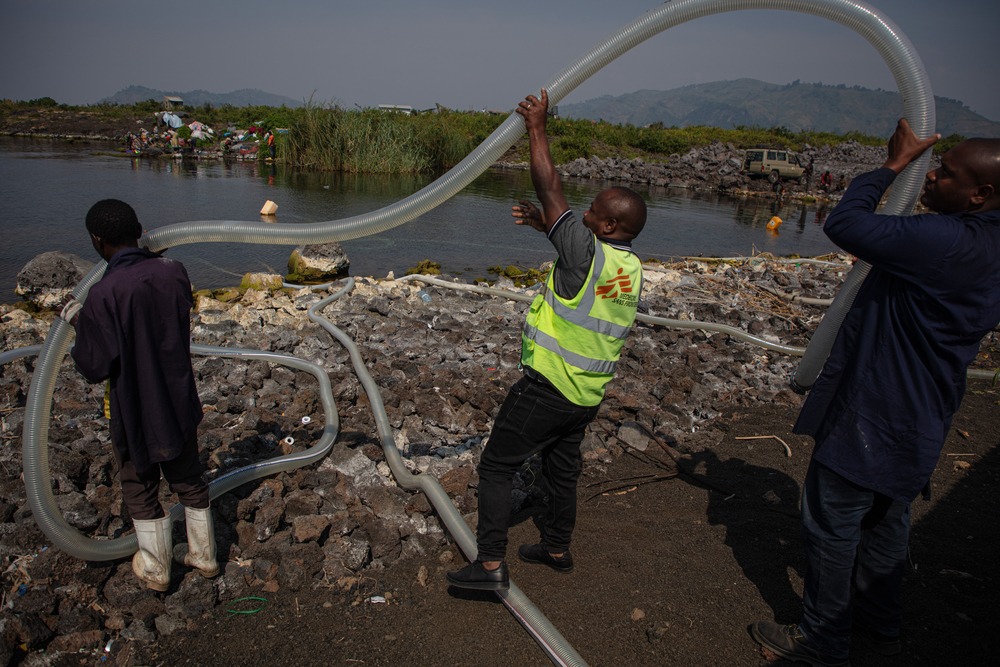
551,344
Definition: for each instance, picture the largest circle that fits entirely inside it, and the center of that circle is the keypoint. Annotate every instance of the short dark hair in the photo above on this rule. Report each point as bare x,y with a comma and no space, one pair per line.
629,208
114,221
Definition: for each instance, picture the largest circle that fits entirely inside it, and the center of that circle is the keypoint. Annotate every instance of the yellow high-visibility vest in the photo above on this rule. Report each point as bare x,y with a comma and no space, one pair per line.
575,343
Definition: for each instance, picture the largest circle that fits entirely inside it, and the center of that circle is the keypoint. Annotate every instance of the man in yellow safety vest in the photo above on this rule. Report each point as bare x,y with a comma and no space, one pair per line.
570,345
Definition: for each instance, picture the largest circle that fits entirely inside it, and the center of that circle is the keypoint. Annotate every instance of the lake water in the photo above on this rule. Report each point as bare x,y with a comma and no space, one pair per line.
47,188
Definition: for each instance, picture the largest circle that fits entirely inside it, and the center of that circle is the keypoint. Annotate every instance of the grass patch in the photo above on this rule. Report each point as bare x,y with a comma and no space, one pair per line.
329,138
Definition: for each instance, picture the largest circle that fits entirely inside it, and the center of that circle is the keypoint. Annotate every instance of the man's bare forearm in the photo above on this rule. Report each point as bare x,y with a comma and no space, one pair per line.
544,176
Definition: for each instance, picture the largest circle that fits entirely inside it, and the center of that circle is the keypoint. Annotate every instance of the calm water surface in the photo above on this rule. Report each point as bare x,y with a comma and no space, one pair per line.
47,188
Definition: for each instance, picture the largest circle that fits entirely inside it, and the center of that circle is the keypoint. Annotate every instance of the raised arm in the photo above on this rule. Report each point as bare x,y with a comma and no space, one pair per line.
544,176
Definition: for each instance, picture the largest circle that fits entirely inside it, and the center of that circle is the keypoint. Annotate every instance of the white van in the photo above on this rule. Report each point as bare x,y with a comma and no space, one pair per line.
775,163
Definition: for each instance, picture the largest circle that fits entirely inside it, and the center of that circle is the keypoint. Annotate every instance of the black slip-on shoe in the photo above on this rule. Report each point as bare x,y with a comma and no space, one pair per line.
538,554
787,641
478,578
876,641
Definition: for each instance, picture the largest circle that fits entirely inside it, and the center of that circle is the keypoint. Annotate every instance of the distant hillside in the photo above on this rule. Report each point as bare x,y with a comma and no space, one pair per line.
238,98
796,106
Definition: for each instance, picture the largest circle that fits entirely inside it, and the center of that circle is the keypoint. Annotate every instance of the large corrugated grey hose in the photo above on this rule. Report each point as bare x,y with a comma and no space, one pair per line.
540,628
892,45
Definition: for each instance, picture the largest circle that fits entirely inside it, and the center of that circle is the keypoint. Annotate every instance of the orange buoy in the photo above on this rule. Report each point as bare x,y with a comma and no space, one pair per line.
774,223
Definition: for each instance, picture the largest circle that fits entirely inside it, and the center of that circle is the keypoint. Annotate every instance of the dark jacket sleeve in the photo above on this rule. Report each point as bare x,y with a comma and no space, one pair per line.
914,247
96,348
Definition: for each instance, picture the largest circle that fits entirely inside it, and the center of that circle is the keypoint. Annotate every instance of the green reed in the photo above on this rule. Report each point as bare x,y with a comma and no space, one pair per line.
372,141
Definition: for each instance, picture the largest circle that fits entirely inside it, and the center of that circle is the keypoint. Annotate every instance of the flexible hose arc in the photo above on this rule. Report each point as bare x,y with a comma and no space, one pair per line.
37,478
322,447
898,53
8,356
777,260
557,648
735,332
884,36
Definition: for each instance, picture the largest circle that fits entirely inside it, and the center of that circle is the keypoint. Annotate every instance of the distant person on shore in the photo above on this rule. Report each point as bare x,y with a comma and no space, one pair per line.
883,405
570,345
825,181
133,331
271,148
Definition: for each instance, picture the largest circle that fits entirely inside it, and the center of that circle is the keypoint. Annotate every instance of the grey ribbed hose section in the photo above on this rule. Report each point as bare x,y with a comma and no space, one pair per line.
38,485
8,356
735,332
882,33
897,51
888,40
538,626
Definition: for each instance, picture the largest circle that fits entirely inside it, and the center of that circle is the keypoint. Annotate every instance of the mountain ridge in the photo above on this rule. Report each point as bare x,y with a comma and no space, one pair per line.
796,106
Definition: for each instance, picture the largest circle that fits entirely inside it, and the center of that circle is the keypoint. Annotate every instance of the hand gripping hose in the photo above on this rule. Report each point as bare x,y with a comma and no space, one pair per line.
892,45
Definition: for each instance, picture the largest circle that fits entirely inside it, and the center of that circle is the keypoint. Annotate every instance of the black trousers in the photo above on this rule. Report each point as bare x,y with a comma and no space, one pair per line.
534,418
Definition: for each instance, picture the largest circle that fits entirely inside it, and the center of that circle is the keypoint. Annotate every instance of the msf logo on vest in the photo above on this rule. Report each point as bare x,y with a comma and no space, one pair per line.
618,288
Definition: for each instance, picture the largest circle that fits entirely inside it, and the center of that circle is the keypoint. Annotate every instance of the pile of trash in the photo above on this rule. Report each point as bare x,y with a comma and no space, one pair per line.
173,137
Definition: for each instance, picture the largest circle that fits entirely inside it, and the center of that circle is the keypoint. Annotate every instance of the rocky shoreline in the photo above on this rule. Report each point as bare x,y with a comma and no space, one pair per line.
443,366
443,359
719,166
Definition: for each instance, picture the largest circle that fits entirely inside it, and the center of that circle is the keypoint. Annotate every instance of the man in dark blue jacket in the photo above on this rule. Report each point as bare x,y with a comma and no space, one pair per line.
133,331
883,405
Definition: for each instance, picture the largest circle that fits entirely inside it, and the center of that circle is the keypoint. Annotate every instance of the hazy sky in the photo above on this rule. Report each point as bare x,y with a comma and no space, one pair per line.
464,54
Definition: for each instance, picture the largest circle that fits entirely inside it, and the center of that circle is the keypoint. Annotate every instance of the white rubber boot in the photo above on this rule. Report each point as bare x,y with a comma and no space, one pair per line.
201,541
152,561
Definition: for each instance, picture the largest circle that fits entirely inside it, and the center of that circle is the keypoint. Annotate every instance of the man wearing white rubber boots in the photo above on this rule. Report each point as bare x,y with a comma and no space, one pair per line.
133,331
